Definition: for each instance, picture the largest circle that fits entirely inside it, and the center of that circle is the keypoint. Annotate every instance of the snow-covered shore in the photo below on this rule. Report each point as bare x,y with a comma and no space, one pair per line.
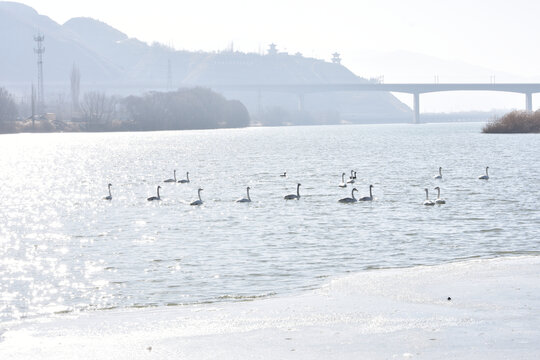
493,313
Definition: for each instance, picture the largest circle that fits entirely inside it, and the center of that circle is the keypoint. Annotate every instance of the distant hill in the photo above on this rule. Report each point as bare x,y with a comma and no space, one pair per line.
18,26
112,61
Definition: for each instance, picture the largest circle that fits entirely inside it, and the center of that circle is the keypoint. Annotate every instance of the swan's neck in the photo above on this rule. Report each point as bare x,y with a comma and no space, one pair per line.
158,192
342,177
298,190
438,193
248,195
110,191
486,171
370,193
199,195
440,171
427,198
352,194
187,176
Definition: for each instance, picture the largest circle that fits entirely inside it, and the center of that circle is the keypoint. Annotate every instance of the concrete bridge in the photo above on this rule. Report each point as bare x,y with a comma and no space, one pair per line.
415,89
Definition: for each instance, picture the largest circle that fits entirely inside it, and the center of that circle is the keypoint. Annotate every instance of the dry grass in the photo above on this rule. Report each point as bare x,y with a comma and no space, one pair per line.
41,126
515,122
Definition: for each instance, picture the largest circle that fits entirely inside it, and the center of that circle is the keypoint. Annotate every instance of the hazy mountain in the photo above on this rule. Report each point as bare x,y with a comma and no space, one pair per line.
18,26
406,66
112,61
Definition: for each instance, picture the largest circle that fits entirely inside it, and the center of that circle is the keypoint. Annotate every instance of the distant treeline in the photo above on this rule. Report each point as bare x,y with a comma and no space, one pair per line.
515,122
8,109
195,108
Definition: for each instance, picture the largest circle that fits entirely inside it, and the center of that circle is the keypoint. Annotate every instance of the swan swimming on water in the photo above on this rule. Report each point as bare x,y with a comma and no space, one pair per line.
248,199
110,196
428,202
484,177
349,199
284,174
294,196
439,200
352,178
152,198
342,184
368,198
198,202
186,180
171,180
440,174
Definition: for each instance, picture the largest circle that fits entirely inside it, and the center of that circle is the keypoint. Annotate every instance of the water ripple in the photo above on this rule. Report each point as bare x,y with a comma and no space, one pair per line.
64,249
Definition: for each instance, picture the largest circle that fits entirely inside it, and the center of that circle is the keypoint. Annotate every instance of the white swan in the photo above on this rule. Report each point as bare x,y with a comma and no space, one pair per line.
186,180
428,202
440,174
349,199
284,174
368,198
171,180
198,202
484,177
342,183
352,177
294,196
152,198
439,200
248,199
110,196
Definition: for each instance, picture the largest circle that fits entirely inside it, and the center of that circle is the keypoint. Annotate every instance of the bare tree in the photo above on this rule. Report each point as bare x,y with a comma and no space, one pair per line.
8,109
62,107
75,87
97,107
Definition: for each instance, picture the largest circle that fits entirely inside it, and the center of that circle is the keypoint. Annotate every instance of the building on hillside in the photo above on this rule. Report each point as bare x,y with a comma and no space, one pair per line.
335,58
272,50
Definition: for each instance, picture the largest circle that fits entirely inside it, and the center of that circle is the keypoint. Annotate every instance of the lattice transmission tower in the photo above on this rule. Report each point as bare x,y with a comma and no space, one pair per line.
39,38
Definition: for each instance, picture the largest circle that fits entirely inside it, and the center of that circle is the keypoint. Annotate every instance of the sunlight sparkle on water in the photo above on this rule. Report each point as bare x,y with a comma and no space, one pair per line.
63,248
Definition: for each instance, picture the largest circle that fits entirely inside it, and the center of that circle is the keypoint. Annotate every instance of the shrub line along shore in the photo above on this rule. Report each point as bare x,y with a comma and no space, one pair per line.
515,122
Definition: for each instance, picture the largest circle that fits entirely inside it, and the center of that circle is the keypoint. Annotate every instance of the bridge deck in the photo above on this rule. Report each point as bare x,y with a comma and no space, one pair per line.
411,88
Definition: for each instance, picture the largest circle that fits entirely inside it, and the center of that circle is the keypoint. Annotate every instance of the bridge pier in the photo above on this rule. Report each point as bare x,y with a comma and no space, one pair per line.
528,102
416,108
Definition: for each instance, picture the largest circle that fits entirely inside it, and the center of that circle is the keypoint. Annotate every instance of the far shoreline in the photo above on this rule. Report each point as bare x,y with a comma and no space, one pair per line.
255,126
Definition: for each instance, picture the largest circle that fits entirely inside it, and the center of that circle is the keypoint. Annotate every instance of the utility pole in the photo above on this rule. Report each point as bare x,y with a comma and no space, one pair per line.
39,38
33,107
169,75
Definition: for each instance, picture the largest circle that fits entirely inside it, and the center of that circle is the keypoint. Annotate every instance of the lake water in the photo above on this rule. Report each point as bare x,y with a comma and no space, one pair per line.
64,249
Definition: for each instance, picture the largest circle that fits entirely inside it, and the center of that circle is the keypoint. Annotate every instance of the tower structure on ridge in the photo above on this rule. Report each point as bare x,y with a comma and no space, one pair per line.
39,38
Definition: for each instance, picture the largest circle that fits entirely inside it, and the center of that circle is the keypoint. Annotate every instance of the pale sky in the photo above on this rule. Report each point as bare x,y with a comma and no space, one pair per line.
498,35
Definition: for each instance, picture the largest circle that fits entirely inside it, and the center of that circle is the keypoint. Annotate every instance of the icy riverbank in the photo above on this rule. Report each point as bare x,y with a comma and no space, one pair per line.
493,313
